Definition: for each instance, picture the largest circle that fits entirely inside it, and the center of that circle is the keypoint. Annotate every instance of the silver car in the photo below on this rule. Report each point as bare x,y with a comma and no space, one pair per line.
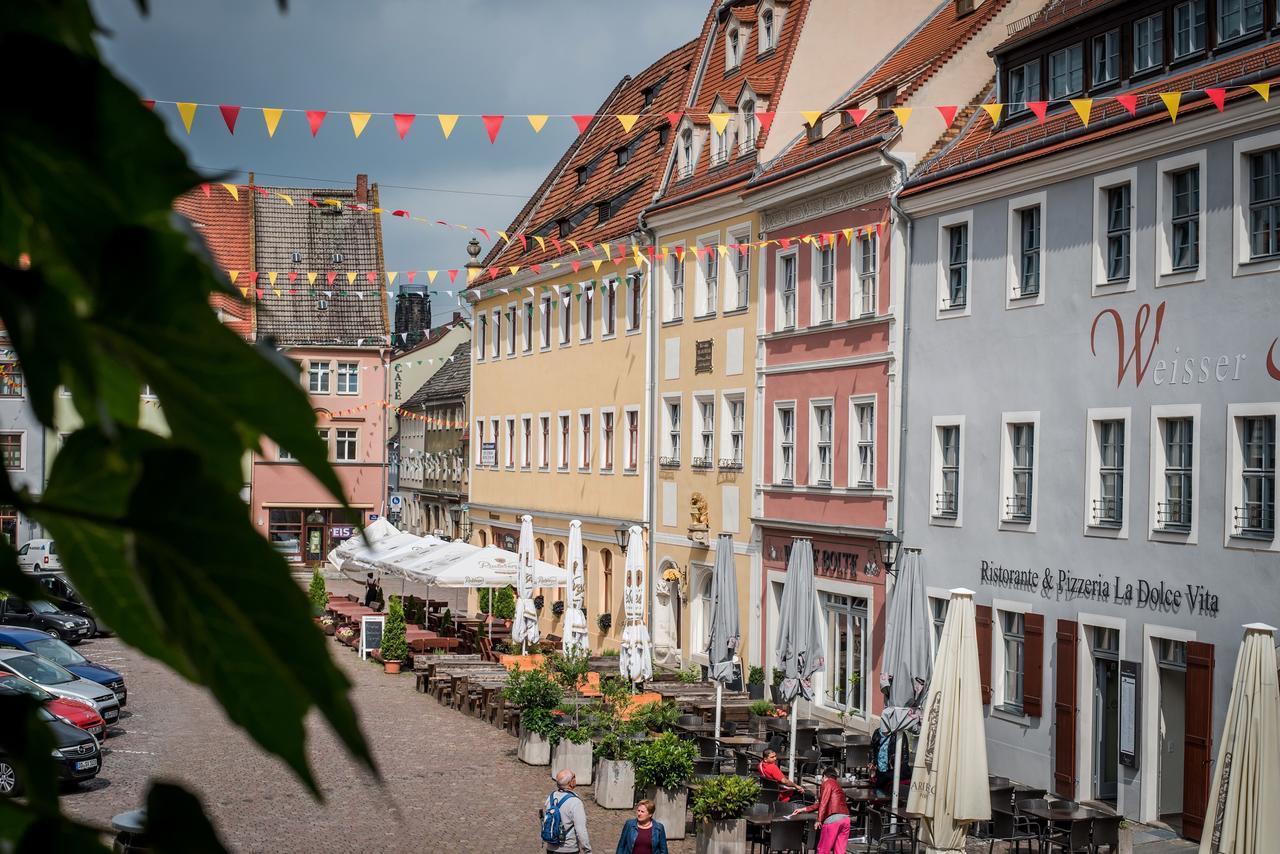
61,682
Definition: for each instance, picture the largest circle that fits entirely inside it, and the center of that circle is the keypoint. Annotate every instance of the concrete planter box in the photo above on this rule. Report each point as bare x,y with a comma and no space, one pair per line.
575,757
615,786
669,808
534,749
723,837
1126,839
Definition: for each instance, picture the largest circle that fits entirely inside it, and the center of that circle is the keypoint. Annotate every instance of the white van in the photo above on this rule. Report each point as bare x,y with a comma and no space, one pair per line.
39,555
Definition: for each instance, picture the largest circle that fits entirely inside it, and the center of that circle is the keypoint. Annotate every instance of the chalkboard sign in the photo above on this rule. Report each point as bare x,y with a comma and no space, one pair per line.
371,634
1129,697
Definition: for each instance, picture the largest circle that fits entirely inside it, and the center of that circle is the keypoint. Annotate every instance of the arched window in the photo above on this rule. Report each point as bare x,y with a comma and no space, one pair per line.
686,151
606,581
560,563
748,141
586,580
768,35
542,549
484,539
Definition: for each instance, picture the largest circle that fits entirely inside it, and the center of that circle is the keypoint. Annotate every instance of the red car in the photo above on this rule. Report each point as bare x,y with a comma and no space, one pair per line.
74,712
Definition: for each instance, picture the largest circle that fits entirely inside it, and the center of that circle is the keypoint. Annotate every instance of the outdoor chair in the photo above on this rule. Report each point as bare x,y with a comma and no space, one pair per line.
1029,795
1008,828
1070,838
757,833
786,835
1106,832
883,839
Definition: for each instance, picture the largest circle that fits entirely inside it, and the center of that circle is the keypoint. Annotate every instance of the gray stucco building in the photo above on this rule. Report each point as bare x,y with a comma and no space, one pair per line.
1090,414
23,444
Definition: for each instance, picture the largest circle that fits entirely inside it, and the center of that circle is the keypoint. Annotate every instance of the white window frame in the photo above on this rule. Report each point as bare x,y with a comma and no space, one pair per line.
1102,185
814,473
1241,265
1013,284
546,307
998,685
348,370
707,289
495,332
856,444
1235,463
779,445
609,308
936,477
631,463
1093,462
738,298
545,440
526,326
479,441
482,335
586,440
1007,420
587,312
1165,274
706,428
945,224
720,140
565,309
339,443
769,41
1156,484
564,439
495,429
729,398
608,443
675,273
634,296
816,285
860,280
780,319
325,373
509,438
526,441
669,449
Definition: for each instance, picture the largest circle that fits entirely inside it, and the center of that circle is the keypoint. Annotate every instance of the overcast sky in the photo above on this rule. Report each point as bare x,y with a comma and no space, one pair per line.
410,56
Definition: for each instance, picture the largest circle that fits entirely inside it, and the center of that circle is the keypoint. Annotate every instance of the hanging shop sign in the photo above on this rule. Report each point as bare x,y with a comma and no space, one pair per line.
1148,594
1129,726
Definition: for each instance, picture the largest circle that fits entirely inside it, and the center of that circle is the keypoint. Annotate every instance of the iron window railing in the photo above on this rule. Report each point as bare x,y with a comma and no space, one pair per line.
1174,515
945,504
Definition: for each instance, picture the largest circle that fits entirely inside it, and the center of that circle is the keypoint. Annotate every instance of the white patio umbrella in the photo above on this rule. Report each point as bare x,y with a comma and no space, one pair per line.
635,658
949,782
575,640
1243,815
725,632
419,566
799,645
490,567
524,628
373,533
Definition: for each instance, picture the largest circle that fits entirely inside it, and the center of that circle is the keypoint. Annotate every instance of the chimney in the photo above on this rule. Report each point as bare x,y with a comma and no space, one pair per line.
362,188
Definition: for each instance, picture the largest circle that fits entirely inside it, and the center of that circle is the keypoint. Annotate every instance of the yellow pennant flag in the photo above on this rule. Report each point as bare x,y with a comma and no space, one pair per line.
358,121
515,268
471,275
1083,108
596,262
311,278
391,277
724,250
234,274
555,265
446,124
542,243
271,116
187,110
333,203
351,278
271,277
431,276
537,122
1171,102
994,110
1263,89
903,114
288,199
719,121
244,292
503,235
233,190
628,122
848,234
574,244
277,291
606,247
376,210
811,117
635,251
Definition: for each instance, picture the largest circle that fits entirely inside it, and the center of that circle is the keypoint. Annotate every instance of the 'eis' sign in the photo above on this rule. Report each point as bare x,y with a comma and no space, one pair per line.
1192,599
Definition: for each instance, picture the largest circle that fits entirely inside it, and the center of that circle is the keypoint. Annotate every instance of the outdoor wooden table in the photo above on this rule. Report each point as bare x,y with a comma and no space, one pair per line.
1060,815
766,820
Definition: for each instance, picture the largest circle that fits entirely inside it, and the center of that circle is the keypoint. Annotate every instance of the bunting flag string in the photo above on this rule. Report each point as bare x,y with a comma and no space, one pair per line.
493,123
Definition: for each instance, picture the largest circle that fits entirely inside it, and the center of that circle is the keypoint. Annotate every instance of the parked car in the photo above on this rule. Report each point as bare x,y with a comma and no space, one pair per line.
75,712
76,754
61,682
33,640
45,617
39,554
64,597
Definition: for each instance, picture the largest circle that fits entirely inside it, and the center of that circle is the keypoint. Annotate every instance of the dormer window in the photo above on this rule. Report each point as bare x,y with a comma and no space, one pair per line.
602,212
650,93
622,155
768,34
719,138
322,304
748,138
664,133
583,174
564,227
886,97
734,49
964,7
686,152
813,132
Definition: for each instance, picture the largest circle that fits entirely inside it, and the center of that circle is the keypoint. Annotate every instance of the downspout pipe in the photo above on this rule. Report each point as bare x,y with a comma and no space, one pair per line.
903,372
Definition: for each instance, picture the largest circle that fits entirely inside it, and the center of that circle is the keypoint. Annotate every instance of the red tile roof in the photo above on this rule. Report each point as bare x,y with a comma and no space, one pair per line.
981,148
223,222
1055,14
907,69
628,188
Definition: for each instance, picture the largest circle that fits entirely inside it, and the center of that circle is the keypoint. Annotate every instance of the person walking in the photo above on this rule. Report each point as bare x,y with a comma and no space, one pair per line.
370,590
833,814
643,835
564,818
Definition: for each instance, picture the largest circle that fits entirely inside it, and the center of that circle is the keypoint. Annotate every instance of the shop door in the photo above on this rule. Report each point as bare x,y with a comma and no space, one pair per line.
1196,755
1064,712
313,544
1106,722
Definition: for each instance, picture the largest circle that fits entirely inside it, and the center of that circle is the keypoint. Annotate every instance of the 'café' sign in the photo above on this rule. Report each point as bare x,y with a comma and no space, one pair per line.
1193,599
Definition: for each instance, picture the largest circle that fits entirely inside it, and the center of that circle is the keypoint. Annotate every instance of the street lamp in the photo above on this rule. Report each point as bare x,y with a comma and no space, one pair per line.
889,545
622,534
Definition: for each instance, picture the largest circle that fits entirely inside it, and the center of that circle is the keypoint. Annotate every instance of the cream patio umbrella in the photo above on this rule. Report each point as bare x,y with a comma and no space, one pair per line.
635,658
575,640
524,627
949,782
1243,815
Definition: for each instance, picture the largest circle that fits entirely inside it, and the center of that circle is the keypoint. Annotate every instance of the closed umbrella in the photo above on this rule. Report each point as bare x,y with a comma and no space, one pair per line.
524,626
799,646
1242,816
635,660
949,781
725,632
908,660
575,619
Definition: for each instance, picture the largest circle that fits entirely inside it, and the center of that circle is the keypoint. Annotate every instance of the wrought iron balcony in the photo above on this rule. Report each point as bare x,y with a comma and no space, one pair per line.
1256,521
731,465
1017,508
1108,512
1174,515
702,463
945,505
669,462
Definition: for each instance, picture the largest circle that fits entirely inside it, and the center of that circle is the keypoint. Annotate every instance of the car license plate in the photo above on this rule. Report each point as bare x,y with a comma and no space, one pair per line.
110,715
86,764
94,730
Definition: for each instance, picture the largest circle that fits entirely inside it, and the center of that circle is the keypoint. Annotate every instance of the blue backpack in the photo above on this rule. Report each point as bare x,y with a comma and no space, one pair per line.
553,829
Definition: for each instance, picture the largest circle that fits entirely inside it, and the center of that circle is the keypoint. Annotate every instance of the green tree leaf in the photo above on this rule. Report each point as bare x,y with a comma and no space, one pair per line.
177,824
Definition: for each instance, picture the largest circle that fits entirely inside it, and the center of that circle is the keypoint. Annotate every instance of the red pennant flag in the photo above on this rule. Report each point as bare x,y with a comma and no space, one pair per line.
582,122
1129,102
651,250
765,120
259,293
453,274
537,268
371,277
400,213
556,243
577,265
679,250
591,247
409,275
1040,108
208,191
858,116
483,231
524,243
230,113
313,203
315,118
675,117
293,276
261,191
404,121
330,276
253,277
492,124
785,242
493,272
1218,96
948,115
148,103
292,291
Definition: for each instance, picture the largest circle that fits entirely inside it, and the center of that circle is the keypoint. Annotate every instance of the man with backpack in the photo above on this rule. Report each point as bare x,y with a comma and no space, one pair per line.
564,818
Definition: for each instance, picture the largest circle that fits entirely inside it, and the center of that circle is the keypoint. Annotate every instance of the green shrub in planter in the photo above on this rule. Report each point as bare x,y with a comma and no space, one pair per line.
724,798
502,605
755,675
666,762
316,592
691,674
394,647
656,717
763,708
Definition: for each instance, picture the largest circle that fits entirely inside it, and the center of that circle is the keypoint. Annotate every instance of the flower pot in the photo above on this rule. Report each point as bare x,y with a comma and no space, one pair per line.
755,690
329,628
534,748
390,667
669,808
775,694
575,757
1126,839
723,837
758,724
615,784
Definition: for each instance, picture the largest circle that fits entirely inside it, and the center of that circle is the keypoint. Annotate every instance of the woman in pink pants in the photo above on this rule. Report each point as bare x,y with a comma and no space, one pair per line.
833,814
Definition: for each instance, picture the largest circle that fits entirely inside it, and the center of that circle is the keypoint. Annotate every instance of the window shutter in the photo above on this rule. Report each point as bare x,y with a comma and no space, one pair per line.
983,613
1033,658
1198,738
1064,711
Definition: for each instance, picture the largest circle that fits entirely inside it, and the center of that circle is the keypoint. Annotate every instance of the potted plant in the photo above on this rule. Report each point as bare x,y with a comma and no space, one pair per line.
317,594
346,634
394,647
614,775
760,713
656,717
604,622
446,624
571,743
719,805
557,609
691,675
775,687
536,694
538,602
755,682
665,765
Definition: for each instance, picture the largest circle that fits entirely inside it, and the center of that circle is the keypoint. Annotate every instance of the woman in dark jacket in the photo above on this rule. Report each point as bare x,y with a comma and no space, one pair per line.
643,835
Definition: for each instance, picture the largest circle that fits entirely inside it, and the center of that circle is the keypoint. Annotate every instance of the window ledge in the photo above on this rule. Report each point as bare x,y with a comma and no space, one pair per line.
584,470
635,331
1011,714
708,316
609,337
675,321
742,309
1180,277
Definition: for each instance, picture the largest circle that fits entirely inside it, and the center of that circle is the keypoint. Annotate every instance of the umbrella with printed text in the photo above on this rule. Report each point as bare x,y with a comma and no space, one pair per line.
524,626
